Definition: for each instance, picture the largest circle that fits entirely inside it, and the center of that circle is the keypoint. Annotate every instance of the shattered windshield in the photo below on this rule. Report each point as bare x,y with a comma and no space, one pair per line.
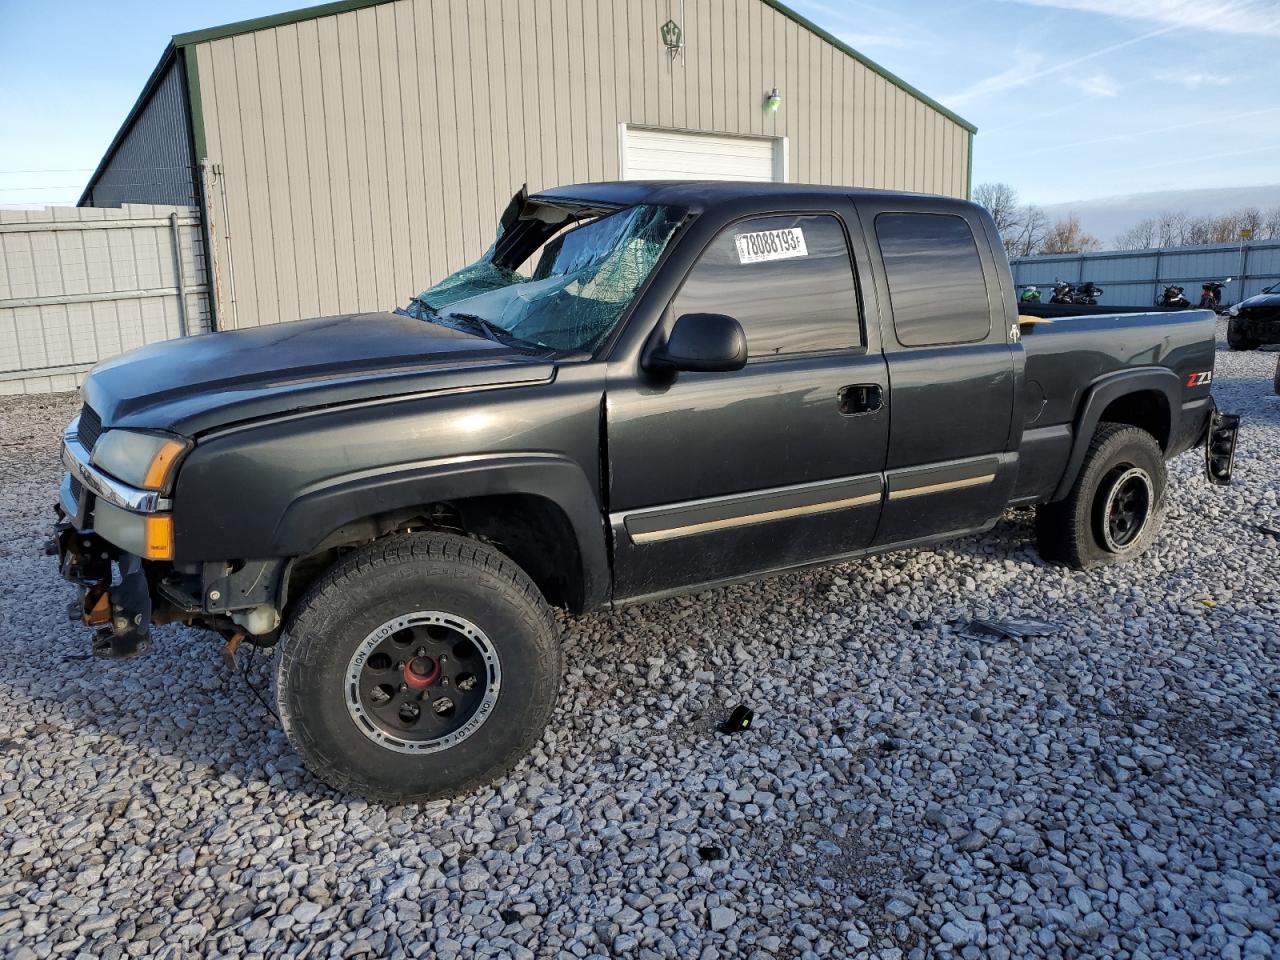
585,277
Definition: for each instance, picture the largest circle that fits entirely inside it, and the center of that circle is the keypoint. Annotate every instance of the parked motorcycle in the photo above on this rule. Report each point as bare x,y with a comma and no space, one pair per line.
1173,298
1211,293
1063,292
1031,295
1088,294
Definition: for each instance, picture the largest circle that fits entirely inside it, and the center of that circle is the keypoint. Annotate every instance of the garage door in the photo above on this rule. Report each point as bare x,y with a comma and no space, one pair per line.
649,154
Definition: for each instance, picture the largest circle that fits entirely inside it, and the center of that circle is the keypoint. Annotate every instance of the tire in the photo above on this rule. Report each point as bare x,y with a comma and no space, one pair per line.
1236,338
1276,382
1096,525
468,612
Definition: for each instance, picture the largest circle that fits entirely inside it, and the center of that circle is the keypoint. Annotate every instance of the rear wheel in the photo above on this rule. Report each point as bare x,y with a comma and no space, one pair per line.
1237,339
1114,511
421,666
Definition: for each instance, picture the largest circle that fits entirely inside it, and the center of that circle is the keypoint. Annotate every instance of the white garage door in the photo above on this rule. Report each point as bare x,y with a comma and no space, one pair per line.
649,154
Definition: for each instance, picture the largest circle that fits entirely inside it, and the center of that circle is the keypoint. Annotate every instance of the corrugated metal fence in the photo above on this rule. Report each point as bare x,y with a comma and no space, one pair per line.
80,284
1136,277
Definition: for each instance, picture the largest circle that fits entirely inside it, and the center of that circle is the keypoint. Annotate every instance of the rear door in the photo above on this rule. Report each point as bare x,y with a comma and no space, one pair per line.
951,368
721,475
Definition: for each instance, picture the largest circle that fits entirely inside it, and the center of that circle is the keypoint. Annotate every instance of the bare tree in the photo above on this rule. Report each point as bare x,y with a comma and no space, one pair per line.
1171,228
1141,236
1001,201
1197,230
1249,218
1067,236
1032,228
1271,225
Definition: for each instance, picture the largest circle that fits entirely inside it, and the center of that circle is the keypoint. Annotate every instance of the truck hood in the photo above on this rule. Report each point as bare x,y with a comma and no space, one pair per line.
195,384
1268,301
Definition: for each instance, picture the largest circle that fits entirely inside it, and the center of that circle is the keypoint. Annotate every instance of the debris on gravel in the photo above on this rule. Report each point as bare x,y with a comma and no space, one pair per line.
1108,788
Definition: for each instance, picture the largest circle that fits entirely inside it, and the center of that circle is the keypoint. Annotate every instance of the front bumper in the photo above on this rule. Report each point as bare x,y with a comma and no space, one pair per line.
121,612
1264,330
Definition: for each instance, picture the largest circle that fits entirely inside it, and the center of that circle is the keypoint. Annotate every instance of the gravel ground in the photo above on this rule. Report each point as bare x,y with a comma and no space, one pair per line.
1111,789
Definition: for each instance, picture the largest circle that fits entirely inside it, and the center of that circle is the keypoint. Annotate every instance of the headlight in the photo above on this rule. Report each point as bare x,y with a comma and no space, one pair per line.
146,460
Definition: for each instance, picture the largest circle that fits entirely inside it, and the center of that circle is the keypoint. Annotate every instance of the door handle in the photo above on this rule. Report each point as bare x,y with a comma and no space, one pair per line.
860,398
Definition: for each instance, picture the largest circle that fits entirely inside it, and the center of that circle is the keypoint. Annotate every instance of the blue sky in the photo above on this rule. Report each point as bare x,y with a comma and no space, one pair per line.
1073,98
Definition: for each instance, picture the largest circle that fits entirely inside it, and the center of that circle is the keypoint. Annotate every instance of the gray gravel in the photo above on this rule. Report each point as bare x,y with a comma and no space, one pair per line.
1109,790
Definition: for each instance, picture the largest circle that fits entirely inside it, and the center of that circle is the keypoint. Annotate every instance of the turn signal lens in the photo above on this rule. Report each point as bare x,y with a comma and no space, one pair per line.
158,537
165,457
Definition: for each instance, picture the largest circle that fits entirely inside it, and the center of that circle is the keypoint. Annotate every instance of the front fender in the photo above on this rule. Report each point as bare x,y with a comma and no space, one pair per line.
324,507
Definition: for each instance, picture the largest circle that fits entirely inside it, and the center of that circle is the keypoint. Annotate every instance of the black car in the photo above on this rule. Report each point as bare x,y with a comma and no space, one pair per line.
697,383
1255,322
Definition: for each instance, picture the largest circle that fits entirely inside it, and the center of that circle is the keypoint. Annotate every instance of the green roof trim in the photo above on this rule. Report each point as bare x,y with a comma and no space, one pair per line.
195,105
968,190
346,6
869,64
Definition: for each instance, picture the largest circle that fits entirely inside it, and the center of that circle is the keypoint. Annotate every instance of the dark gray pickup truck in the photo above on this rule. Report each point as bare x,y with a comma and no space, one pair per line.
640,389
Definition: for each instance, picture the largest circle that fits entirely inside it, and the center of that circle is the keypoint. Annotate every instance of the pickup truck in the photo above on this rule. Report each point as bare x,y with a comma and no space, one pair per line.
640,389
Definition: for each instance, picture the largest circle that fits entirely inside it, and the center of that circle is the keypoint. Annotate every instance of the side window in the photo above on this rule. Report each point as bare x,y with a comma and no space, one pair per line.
936,286
788,280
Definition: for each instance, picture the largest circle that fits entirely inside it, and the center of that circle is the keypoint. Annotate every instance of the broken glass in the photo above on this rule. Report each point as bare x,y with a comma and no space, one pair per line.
584,279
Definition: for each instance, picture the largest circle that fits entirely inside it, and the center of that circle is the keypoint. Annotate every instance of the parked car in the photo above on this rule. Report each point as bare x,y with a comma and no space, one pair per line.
698,383
1255,321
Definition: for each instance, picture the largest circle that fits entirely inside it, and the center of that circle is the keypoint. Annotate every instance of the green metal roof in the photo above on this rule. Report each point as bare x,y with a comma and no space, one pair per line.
344,6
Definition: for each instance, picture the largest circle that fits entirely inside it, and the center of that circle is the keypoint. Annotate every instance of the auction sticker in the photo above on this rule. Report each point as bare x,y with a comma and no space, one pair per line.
771,245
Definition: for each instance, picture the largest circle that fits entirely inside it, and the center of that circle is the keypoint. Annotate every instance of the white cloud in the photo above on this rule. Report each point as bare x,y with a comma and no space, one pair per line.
1251,18
1194,79
1096,84
1024,68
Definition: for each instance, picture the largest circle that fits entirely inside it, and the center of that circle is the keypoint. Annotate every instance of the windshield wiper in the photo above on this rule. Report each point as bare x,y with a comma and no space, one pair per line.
491,331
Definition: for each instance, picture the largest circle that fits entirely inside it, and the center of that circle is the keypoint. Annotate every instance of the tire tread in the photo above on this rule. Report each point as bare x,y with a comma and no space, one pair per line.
320,600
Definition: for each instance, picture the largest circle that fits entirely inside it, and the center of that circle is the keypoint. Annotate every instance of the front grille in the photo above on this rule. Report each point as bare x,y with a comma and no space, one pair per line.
90,427
77,489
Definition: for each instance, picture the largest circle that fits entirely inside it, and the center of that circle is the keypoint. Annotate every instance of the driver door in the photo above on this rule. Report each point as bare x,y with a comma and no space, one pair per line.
720,475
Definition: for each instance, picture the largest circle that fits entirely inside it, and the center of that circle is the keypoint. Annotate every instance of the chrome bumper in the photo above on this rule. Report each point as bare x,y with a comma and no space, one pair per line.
79,466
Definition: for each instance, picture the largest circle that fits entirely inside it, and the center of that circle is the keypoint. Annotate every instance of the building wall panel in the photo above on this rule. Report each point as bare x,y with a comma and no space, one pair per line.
153,161
369,152
82,284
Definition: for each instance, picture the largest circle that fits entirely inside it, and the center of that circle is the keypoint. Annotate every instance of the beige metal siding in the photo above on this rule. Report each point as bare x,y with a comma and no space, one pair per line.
366,153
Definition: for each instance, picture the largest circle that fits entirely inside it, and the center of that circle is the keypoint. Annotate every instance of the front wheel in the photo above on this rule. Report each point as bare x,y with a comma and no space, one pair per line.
419,667
1237,339
1114,510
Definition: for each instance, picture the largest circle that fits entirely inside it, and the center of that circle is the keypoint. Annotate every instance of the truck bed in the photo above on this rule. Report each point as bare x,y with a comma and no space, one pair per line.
1066,355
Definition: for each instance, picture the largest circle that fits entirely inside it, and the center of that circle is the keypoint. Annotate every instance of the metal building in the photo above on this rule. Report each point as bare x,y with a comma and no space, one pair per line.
348,155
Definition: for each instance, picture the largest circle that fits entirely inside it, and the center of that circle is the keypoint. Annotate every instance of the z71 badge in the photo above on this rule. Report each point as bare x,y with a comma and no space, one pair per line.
1202,379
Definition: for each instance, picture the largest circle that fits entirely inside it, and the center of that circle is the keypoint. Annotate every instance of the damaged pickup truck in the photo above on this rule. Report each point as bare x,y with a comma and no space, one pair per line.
695,383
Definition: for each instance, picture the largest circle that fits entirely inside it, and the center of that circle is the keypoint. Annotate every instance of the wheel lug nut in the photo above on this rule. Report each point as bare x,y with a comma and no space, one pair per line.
421,651
404,687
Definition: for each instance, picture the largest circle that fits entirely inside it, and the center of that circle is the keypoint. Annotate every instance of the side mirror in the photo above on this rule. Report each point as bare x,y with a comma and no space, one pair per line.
705,342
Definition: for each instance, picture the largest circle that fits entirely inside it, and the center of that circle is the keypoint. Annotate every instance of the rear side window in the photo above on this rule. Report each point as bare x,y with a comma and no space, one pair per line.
788,280
935,276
